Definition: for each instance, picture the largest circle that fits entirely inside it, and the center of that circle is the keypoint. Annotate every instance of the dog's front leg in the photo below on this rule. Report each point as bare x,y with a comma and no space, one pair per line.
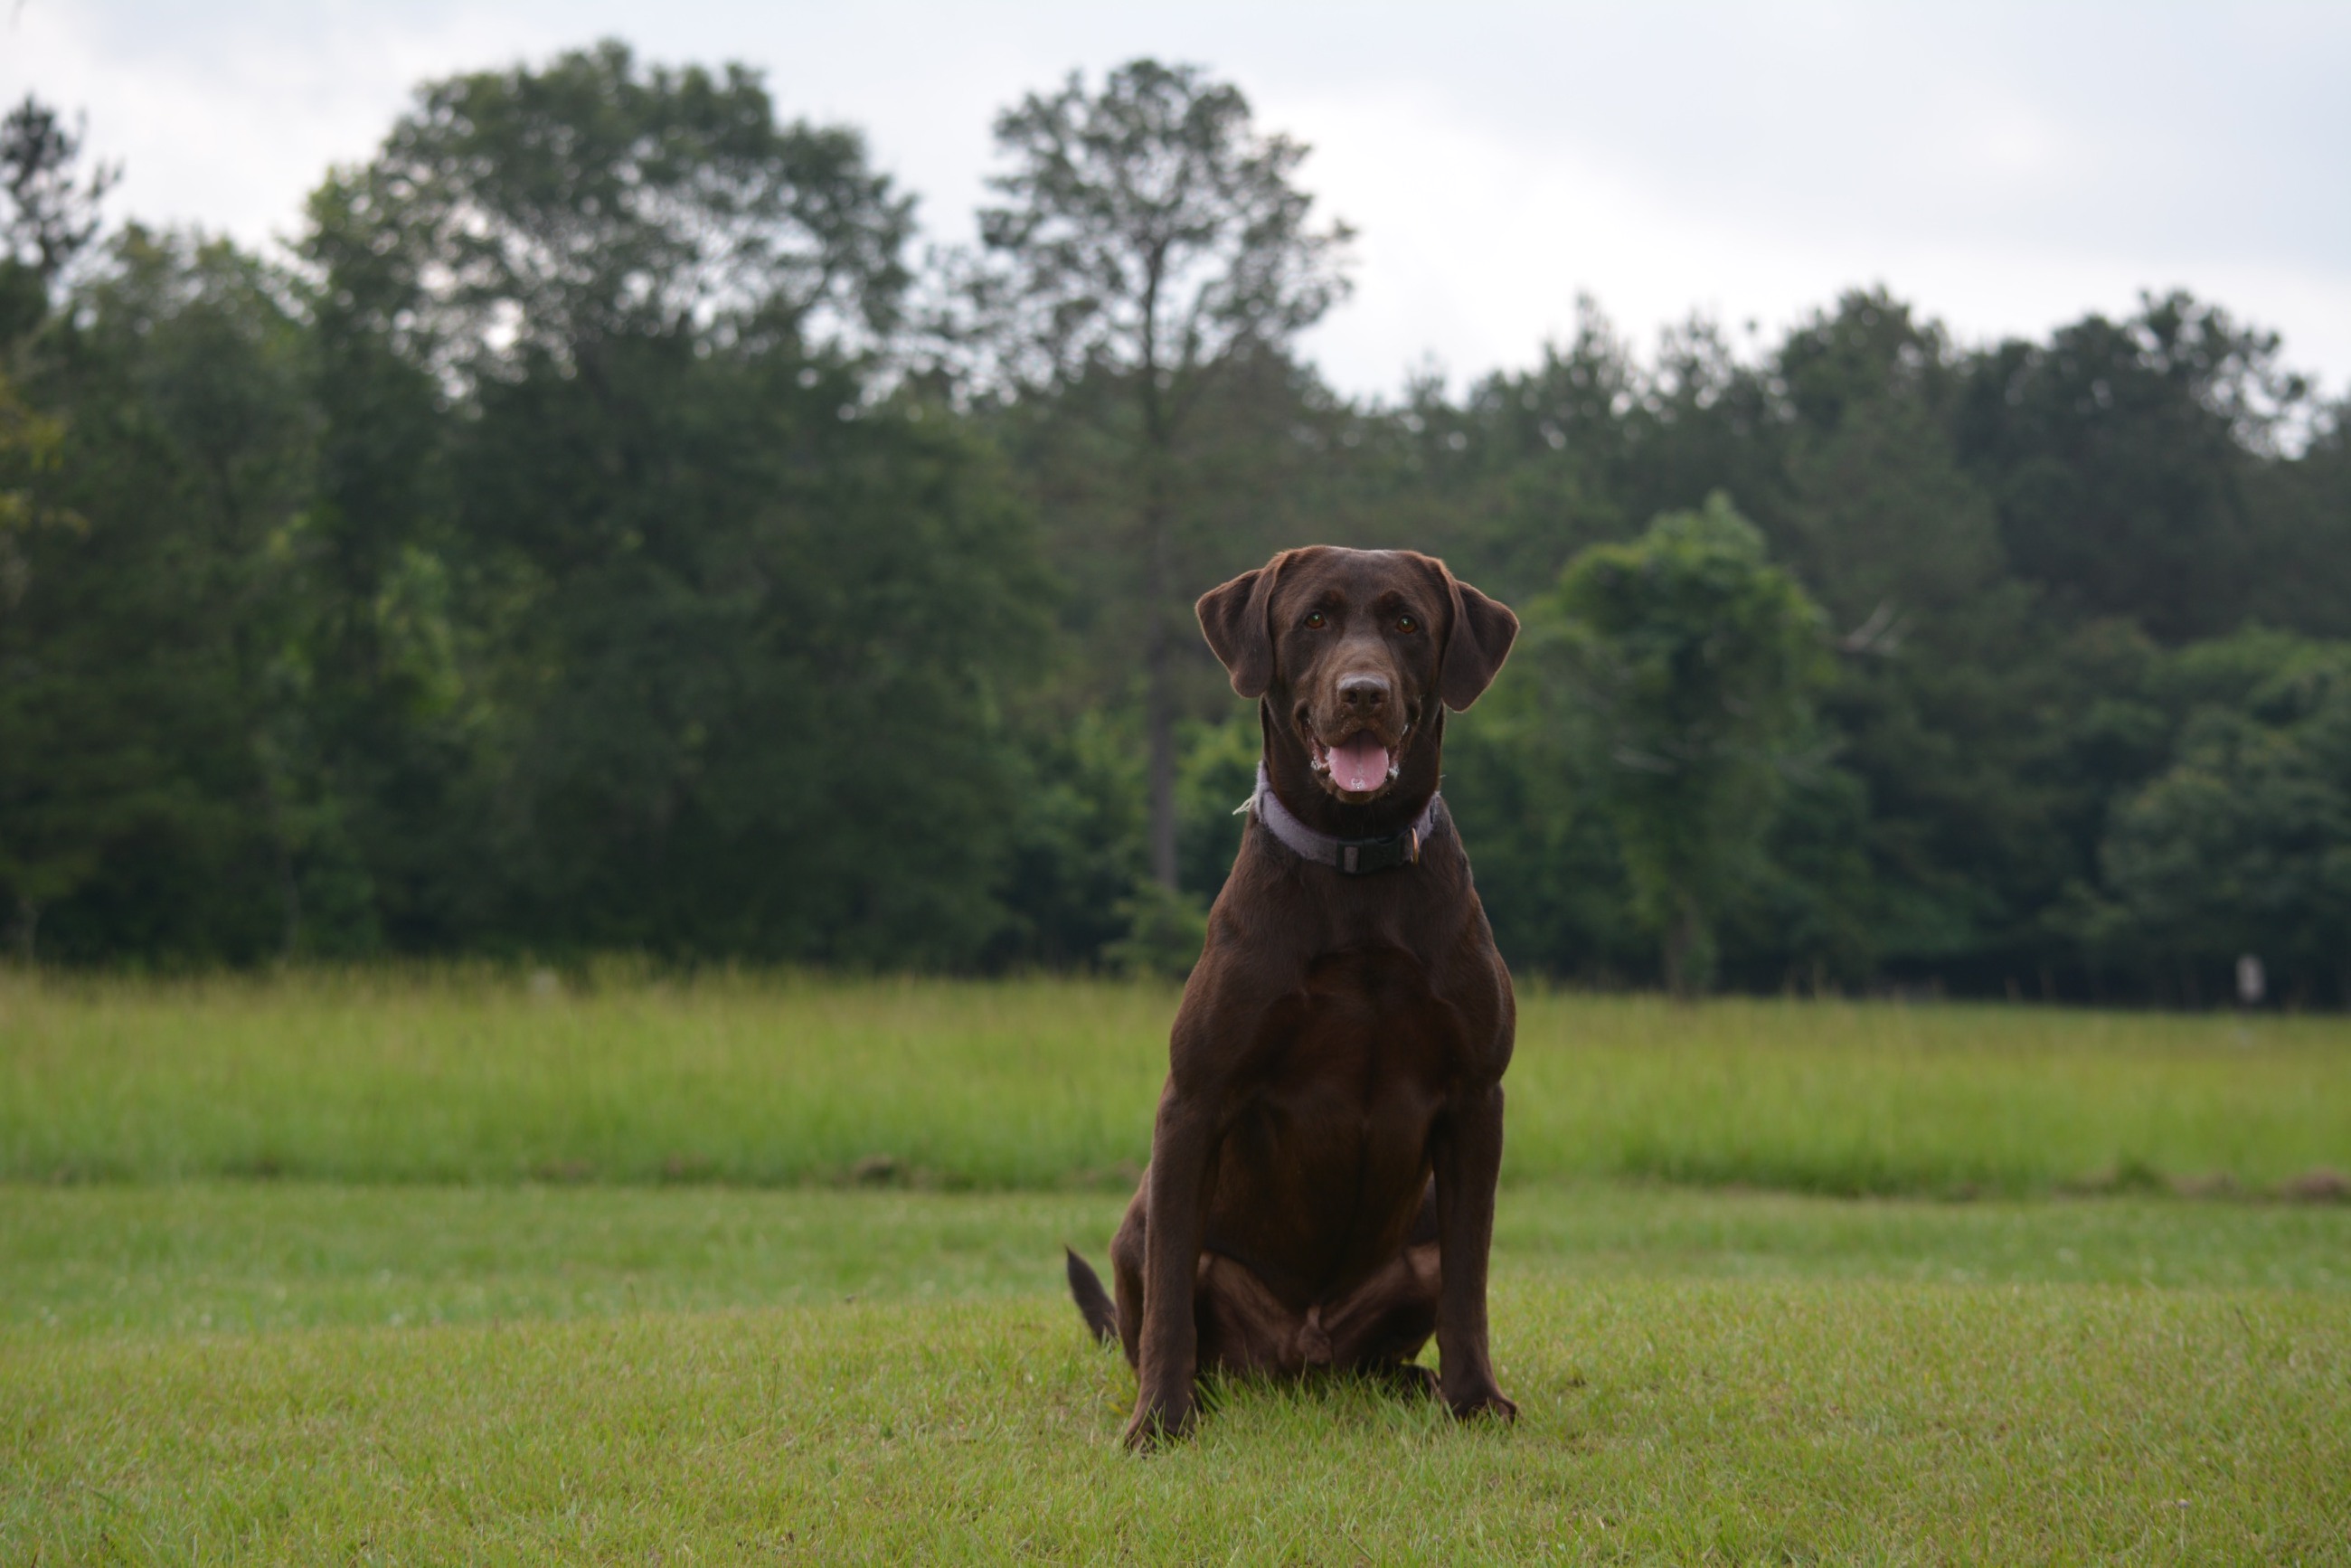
1468,1159
1182,1141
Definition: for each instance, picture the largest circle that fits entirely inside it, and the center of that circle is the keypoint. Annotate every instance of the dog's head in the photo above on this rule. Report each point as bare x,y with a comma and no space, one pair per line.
1351,649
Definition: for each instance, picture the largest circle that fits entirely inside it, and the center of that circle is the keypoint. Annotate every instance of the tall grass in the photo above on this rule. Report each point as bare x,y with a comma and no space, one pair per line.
454,1075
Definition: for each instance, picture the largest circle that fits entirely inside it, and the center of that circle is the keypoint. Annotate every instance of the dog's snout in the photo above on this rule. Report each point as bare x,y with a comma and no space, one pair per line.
1363,691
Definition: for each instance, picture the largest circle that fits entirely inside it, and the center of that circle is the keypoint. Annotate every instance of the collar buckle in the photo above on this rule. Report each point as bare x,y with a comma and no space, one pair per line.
1349,857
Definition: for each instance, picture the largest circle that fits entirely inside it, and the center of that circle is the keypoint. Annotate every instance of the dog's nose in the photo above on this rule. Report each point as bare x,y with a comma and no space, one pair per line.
1363,691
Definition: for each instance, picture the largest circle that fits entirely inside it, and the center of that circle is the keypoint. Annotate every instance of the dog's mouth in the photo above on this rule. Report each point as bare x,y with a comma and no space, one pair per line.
1355,768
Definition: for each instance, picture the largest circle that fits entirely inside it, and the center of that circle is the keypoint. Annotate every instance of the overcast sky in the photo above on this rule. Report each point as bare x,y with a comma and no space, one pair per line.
2004,167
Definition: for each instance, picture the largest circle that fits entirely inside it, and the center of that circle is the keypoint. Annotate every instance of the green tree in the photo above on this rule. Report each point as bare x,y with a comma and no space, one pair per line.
1943,702
1529,469
1702,661
1153,250
542,214
2117,455
2242,843
1883,522
1527,777
156,793
41,855
736,626
48,209
2299,531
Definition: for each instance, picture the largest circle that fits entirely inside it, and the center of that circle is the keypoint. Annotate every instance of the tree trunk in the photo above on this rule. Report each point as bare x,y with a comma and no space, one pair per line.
1159,722
29,924
1158,649
1684,936
289,899
289,887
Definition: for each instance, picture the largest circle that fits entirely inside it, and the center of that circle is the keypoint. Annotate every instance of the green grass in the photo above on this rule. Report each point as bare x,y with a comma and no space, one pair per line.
466,1077
1738,1377
592,1278
244,1255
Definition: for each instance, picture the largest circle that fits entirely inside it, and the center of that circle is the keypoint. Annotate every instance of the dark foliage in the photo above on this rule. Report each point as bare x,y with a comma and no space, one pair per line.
591,545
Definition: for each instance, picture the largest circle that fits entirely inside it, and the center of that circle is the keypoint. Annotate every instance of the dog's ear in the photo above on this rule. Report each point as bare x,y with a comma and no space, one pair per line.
1235,618
1476,644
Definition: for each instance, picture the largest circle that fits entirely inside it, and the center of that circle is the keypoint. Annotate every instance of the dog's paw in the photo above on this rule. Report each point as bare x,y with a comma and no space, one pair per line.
1484,1401
1158,1422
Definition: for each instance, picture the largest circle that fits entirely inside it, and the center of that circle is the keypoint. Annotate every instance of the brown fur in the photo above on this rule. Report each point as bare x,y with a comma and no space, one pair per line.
1321,1192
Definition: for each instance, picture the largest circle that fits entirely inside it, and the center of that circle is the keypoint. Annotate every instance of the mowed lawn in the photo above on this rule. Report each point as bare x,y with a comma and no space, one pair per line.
429,1268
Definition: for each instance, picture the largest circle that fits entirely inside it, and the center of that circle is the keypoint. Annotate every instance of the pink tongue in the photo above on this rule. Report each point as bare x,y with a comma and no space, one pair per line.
1359,764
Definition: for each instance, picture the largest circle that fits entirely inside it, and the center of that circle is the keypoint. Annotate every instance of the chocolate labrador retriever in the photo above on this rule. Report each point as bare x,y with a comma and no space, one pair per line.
1321,1192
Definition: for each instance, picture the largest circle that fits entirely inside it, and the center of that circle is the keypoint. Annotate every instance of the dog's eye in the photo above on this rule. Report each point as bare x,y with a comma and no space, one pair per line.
1407,625
1315,621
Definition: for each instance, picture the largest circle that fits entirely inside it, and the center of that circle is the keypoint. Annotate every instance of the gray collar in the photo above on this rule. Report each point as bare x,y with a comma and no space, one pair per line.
1350,857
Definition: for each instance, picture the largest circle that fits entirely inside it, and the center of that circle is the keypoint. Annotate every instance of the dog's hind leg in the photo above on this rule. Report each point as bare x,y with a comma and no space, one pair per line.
1383,1324
1244,1329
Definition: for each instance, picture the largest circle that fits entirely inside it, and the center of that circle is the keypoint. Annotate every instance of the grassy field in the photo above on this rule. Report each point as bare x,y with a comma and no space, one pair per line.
593,1277
212,1256
234,1372
1049,1084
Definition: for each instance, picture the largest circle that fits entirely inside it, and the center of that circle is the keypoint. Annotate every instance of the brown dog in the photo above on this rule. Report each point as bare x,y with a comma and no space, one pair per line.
1321,1192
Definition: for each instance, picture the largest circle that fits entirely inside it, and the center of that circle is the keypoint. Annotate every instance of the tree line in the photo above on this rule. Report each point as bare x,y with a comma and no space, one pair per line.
607,528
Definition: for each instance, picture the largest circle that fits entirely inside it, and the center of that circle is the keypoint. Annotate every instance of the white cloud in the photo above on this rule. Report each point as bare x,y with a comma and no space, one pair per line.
1476,245
2005,167
230,124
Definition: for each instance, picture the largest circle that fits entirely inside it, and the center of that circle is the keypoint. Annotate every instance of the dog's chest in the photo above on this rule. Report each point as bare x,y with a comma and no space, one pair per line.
1325,1146
1367,1045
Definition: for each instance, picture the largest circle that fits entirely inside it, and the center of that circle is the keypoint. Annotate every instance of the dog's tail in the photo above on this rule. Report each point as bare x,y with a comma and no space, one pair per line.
1094,1302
